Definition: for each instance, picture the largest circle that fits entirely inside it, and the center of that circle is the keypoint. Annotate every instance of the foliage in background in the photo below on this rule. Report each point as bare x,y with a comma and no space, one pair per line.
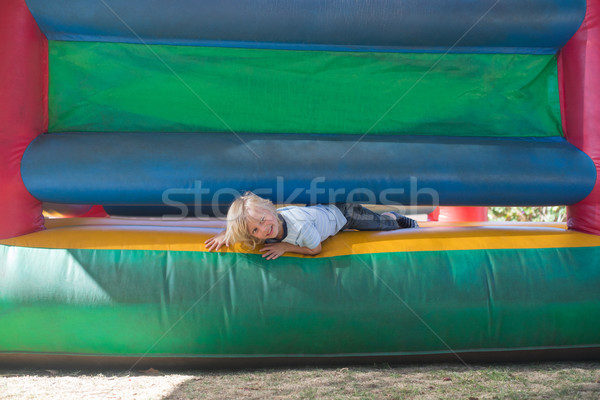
528,214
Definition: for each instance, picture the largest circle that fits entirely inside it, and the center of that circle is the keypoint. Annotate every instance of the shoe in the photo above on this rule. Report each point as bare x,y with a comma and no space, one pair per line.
404,222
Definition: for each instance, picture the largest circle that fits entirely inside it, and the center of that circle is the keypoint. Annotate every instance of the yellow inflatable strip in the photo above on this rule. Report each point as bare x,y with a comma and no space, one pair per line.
190,236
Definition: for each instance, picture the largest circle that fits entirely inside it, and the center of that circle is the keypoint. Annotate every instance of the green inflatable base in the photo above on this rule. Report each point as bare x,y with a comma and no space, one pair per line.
195,305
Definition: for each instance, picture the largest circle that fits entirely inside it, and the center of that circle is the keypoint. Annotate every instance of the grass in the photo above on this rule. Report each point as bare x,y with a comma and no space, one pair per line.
514,381
564,380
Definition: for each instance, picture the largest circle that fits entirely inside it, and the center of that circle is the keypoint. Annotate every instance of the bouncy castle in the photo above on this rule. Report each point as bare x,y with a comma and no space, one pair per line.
163,112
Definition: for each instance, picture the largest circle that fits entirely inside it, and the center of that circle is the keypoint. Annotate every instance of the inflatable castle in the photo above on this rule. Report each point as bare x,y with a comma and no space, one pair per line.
163,112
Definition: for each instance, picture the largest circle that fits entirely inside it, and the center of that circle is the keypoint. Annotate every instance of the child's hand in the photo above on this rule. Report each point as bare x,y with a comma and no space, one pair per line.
216,242
274,250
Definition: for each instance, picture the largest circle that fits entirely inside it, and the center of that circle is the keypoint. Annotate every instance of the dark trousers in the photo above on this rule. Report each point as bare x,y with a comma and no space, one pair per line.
363,219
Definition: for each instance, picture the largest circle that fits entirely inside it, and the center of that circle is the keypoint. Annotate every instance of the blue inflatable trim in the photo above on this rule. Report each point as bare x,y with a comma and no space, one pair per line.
177,169
487,26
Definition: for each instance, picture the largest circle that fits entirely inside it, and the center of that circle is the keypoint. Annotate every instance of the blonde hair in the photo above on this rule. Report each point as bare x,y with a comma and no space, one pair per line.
237,219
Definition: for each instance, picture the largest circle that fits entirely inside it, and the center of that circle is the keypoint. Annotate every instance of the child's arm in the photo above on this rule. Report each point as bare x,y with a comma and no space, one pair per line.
216,242
274,250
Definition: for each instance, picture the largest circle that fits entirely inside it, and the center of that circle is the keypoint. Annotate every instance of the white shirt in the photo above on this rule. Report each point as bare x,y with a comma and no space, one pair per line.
309,226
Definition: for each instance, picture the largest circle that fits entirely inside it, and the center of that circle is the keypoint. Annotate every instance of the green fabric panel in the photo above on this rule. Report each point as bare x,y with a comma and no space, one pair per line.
125,87
201,304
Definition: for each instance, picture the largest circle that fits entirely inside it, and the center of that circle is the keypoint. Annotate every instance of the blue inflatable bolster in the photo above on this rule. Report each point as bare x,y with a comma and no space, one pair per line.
509,26
175,168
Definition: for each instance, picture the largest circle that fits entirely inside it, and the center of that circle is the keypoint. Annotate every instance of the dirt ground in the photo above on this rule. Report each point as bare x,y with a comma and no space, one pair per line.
442,381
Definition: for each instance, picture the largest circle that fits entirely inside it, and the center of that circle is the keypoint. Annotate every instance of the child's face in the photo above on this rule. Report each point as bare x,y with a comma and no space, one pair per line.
262,224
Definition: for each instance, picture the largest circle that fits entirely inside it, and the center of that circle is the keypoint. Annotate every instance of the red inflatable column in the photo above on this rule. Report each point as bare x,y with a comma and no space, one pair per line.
23,113
459,214
579,78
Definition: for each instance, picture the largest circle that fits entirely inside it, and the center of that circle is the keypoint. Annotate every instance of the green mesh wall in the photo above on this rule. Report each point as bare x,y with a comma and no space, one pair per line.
124,87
